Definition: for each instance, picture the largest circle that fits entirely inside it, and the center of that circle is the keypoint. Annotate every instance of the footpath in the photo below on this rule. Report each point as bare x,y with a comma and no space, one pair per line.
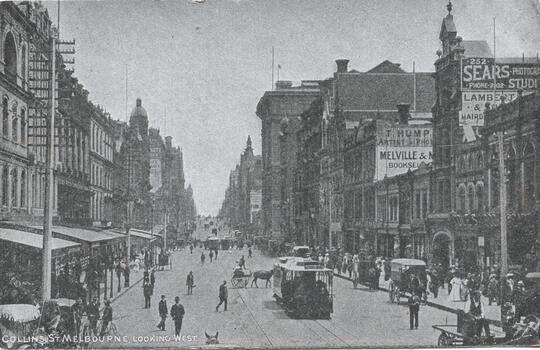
492,312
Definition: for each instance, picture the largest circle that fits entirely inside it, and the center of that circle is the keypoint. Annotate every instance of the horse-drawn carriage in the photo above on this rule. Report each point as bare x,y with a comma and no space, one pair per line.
240,278
407,276
304,287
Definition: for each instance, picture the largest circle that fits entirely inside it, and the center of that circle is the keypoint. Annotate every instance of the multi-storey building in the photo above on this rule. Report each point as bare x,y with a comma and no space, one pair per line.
286,101
101,166
15,192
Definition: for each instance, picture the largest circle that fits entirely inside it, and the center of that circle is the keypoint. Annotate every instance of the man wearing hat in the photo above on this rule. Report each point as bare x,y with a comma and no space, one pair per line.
518,299
223,296
493,288
474,309
177,314
163,310
107,317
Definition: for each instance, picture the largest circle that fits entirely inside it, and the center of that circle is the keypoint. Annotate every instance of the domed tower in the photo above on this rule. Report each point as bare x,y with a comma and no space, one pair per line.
139,118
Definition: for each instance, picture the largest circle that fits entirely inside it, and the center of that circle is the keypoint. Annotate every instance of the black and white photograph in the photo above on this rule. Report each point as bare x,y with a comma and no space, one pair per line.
269,174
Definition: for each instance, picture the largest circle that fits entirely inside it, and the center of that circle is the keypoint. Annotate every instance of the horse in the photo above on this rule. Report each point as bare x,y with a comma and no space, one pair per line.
263,275
212,339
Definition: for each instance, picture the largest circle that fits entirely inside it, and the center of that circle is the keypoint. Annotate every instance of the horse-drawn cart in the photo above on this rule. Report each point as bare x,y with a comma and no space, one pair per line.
240,278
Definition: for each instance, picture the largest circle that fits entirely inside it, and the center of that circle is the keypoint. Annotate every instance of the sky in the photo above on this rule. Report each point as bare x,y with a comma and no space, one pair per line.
200,69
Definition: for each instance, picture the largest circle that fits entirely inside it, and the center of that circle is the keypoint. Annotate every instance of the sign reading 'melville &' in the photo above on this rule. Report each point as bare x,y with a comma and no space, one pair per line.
401,148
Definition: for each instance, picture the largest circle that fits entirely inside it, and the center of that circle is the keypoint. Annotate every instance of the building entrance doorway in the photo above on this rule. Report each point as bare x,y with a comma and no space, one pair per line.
441,249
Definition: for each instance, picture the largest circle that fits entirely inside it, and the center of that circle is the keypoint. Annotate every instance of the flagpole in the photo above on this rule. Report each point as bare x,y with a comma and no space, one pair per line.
272,68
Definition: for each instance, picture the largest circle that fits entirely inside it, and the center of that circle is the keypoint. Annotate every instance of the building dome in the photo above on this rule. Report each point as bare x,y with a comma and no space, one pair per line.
139,118
138,110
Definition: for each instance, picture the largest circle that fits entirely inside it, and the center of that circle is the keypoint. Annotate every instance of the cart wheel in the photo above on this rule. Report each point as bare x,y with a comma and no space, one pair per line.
444,340
234,283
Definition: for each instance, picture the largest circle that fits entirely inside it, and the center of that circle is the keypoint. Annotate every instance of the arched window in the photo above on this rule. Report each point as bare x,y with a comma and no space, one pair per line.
23,189
470,198
461,200
14,185
23,127
5,117
5,179
23,66
471,162
480,197
34,189
480,161
10,58
14,125
529,166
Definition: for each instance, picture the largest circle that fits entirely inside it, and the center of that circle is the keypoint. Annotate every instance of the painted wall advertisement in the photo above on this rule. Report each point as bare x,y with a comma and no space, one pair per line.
478,77
402,148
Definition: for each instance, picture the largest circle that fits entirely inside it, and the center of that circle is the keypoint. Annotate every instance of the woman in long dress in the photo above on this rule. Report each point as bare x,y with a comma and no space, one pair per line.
456,283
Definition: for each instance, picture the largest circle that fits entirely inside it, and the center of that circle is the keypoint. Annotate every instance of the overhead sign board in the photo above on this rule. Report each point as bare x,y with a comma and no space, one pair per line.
473,104
481,73
402,148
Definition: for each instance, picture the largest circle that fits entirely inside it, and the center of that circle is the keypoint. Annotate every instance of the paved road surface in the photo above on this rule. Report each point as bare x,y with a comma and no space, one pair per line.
361,318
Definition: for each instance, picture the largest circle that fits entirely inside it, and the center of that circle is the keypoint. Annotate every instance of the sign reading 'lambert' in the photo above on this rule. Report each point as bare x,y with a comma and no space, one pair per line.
400,148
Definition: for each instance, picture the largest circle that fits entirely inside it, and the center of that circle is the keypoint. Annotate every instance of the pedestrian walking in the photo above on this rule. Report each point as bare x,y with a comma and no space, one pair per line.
152,278
147,292
203,257
190,282
77,310
414,307
177,314
191,249
118,274
216,253
126,275
249,252
93,316
211,255
493,289
223,296
242,262
163,310
107,317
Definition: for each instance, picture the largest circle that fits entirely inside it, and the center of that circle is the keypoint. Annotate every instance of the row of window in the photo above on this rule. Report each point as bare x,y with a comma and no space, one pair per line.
101,177
14,125
101,142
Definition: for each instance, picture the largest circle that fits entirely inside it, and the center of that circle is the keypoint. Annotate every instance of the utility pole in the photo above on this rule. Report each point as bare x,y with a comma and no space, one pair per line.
49,183
502,204
330,217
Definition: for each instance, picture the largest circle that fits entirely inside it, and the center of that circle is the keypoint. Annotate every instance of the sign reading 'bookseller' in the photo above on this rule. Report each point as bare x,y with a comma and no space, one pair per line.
402,148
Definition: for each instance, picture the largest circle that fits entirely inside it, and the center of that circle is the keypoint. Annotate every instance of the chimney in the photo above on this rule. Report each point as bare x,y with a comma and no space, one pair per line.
168,141
342,65
404,114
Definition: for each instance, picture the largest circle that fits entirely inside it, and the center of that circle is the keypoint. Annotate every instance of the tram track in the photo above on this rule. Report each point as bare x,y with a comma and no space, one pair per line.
252,316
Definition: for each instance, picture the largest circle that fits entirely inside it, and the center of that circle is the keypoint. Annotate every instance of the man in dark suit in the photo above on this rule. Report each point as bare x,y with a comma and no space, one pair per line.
177,314
223,295
163,310
147,291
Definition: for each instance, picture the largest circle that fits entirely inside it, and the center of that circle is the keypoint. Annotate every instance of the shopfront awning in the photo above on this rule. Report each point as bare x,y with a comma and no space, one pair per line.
143,234
81,235
33,239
